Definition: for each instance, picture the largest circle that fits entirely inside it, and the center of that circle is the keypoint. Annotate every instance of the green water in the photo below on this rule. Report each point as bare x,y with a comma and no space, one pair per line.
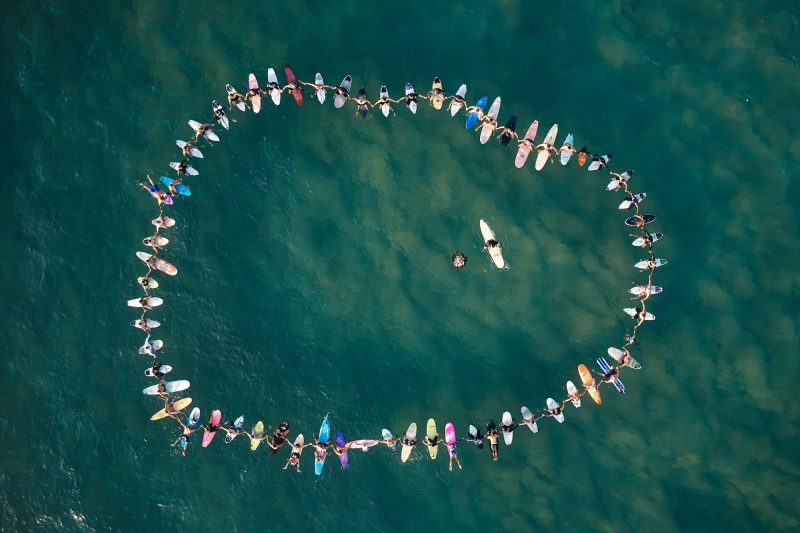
314,273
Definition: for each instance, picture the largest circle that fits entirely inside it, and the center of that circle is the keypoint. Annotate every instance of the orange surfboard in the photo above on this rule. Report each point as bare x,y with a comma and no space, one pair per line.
588,381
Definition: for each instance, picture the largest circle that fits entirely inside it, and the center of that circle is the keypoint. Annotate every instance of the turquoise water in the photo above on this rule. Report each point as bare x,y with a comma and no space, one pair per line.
314,266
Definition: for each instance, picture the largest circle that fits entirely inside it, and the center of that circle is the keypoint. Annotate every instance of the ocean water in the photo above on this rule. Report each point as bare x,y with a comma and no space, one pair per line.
314,270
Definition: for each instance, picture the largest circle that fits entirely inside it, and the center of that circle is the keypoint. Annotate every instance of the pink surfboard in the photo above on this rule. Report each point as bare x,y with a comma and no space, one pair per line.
255,99
449,433
216,416
525,148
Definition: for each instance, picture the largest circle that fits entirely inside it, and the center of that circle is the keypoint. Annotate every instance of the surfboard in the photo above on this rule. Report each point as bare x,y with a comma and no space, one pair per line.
193,151
488,126
255,99
601,160
155,241
299,441
340,99
430,433
189,170
644,264
159,263
162,369
449,433
239,103
619,357
387,435
456,106
552,406
146,324
363,444
180,188
321,93
411,435
475,116
177,406
543,156
606,368
208,436
297,92
385,106
163,222
170,387
273,87
475,436
642,243
583,156
526,146
527,416
363,109
411,104
572,390
506,422
509,130
343,459
631,311
495,252
258,433
237,426
149,347
630,201
437,98
640,290
631,221
324,436
615,182
567,154
193,421
588,381
219,114
149,301
208,134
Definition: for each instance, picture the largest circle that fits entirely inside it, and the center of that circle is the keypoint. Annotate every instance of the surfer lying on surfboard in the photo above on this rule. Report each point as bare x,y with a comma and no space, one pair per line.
183,439
294,457
155,192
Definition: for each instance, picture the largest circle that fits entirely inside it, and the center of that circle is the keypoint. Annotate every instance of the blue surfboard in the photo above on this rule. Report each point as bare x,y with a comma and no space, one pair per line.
606,368
324,436
180,188
193,421
472,118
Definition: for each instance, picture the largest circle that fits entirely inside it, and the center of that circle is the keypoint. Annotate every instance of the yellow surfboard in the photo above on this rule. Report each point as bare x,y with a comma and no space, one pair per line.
177,405
258,432
430,434
588,381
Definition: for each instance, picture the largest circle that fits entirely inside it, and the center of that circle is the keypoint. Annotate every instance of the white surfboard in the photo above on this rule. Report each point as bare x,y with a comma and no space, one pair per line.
488,127
240,103
190,170
274,93
320,92
194,151
508,436
544,155
631,311
552,406
456,107
572,390
527,416
385,107
495,252
644,264
163,369
148,323
171,386
640,242
641,290
151,301
567,154
150,347
625,204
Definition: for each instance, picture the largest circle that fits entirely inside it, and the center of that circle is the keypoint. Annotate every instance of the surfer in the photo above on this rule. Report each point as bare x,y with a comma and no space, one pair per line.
187,148
234,99
436,96
182,166
278,438
509,428
219,114
567,148
431,443
491,243
647,239
156,370
341,91
363,104
638,220
475,437
320,449
203,128
456,100
547,147
390,442
155,192
408,442
473,109
144,281
183,439
251,93
600,161
173,191
294,457
554,411
491,436
640,315
609,377
162,389
451,451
